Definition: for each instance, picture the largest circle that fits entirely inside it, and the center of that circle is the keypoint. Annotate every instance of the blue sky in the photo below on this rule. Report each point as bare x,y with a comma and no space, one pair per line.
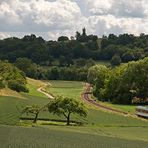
53,18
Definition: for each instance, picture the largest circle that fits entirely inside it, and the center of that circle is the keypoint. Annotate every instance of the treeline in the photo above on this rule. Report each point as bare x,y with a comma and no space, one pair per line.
124,48
40,59
125,84
48,53
12,77
75,72
65,51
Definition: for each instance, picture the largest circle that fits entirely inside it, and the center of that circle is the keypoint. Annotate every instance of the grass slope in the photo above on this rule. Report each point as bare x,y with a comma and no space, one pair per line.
33,85
102,129
9,105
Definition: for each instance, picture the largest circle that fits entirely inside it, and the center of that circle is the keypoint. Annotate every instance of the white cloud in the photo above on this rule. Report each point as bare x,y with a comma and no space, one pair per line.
8,15
4,35
130,8
52,18
99,7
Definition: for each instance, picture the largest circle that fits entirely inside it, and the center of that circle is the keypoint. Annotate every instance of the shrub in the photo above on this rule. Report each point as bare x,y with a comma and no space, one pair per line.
15,85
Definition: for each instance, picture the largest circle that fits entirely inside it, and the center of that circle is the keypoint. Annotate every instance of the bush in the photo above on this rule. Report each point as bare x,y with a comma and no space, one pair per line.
116,60
14,85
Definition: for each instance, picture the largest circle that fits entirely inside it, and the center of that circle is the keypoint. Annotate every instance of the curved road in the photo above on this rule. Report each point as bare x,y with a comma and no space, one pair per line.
87,98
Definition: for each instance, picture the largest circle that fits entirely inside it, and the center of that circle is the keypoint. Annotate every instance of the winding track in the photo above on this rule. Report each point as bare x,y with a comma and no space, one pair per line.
40,89
87,98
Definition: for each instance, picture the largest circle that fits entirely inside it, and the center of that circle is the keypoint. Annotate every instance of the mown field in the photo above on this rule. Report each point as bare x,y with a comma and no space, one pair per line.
101,129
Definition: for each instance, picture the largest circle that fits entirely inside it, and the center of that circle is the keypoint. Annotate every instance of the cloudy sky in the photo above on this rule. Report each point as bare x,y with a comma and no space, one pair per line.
53,18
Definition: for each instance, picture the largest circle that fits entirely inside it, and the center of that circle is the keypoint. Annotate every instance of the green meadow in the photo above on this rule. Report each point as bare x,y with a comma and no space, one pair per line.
101,129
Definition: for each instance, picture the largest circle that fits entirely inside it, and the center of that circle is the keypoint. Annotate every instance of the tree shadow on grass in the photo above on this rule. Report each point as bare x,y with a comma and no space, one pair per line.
57,122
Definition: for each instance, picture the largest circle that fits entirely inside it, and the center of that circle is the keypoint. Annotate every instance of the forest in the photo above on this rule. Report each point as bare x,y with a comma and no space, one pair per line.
125,84
124,80
43,59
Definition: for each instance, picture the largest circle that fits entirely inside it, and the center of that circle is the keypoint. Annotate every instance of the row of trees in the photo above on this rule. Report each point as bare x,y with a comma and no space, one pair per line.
46,52
123,84
12,77
75,72
126,47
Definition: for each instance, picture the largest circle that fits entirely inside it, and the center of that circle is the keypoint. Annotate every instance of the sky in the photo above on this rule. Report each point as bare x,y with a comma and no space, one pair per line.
53,18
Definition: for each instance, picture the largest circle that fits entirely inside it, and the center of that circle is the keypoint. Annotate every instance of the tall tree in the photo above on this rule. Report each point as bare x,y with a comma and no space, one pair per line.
116,60
34,110
67,106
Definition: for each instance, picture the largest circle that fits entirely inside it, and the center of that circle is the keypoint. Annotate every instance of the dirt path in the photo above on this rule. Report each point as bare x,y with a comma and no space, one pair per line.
41,90
86,96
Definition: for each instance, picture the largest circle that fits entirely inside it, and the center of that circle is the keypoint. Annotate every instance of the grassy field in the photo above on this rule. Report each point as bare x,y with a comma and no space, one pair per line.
10,106
101,129
95,117
66,88
125,108
33,85
27,137
106,63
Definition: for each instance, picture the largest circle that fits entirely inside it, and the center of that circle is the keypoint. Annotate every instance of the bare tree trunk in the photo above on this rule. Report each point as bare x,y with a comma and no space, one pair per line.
68,119
35,119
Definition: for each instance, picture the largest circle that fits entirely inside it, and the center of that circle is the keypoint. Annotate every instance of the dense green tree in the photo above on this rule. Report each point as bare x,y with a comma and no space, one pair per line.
78,36
80,62
33,110
62,61
63,38
116,60
53,73
1,83
17,86
26,65
84,37
23,64
12,77
128,56
126,82
66,106
92,45
92,37
97,72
